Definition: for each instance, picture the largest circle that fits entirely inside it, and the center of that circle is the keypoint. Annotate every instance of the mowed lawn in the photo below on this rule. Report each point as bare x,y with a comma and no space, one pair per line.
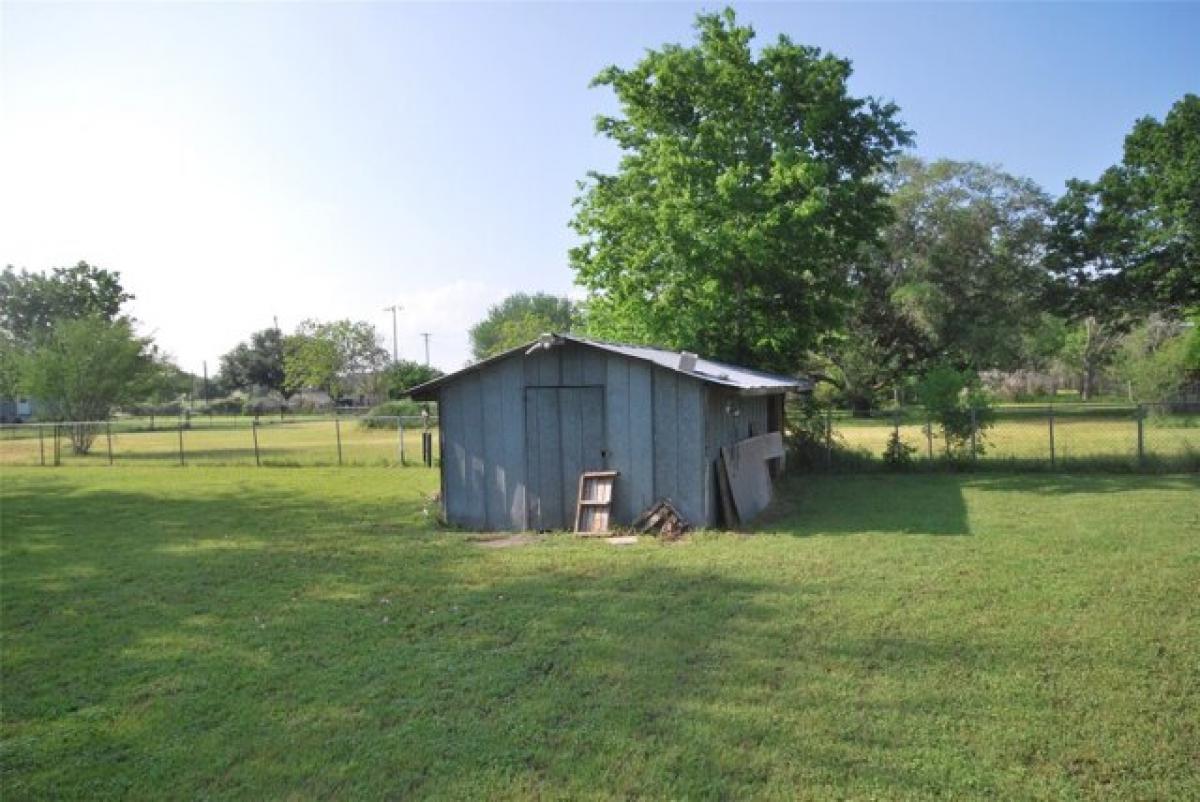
182,633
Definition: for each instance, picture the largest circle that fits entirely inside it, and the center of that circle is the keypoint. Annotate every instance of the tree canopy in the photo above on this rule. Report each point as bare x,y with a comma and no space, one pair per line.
956,278
31,303
520,318
747,184
258,363
330,356
83,369
1129,242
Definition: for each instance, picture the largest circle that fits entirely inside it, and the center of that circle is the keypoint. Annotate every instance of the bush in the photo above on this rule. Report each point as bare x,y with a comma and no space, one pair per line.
377,416
898,454
962,410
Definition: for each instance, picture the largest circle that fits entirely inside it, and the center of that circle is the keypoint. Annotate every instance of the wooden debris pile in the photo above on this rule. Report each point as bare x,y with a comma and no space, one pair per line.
662,519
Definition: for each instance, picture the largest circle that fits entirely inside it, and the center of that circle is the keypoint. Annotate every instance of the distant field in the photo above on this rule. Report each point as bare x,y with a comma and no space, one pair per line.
1024,434
228,441
229,633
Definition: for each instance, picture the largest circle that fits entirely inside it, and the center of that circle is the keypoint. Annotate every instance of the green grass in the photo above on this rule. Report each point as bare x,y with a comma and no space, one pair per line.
232,633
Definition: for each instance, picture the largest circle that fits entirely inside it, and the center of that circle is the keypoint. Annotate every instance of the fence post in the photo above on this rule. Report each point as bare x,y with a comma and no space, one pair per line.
974,440
1051,418
400,429
1141,433
57,458
254,429
828,438
929,434
181,462
42,444
337,428
108,434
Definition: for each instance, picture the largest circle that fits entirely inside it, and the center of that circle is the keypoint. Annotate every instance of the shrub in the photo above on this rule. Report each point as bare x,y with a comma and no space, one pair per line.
961,408
378,417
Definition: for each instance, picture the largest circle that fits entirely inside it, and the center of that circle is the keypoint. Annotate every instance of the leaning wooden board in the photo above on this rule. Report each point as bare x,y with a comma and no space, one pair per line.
749,477
594,507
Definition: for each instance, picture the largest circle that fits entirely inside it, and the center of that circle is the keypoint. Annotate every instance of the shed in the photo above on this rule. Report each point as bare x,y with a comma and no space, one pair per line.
518,429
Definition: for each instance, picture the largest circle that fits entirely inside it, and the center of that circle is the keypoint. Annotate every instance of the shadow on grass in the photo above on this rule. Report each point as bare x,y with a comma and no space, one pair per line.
254,642
1082,483
907,504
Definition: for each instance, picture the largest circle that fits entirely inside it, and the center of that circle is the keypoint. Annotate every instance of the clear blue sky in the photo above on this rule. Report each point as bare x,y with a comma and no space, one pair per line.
236,162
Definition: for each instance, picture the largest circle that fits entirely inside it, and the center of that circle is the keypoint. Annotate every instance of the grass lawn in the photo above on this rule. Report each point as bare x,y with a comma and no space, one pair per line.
305,634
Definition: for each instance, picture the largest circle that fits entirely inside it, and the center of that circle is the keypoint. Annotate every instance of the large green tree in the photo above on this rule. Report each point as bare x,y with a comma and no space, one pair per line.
31,303
747,183
1128,243
520,318
956,277
332,356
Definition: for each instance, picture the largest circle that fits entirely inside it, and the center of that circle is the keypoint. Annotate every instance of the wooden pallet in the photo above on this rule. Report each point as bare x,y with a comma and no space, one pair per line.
594,506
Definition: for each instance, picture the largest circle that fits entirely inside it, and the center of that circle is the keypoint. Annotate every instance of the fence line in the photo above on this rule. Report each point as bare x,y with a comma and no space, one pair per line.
1118,437
363,440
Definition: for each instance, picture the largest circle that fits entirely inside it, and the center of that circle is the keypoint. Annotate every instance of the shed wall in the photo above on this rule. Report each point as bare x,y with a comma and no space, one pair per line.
655,433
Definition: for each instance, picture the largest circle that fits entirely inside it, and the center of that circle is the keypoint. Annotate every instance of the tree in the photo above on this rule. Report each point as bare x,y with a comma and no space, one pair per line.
259,363
746,186
31,303
1152,359
83,369
963,411
1088,347
1129,242
330,356
956,276
404,375
520,318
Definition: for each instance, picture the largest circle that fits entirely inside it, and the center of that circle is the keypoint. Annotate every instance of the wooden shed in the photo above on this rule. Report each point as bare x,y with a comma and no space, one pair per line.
517,430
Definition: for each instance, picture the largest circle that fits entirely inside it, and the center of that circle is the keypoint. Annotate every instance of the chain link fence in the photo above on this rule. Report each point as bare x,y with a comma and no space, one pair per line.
225,440
1145,437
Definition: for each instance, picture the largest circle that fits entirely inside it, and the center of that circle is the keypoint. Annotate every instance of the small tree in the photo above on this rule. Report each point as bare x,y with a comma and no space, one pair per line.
520,318
330,355
961,408
406,374
84,369
258,363
1152,359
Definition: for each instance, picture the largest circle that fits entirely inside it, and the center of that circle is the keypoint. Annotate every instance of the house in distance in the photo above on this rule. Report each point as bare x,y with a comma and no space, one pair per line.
517,430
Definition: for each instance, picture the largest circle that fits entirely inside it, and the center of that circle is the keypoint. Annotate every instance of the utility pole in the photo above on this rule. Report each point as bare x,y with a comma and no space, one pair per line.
205,384
394,308
426,335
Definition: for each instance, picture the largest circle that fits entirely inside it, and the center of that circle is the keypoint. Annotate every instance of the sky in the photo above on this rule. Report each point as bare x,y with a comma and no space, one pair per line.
242,163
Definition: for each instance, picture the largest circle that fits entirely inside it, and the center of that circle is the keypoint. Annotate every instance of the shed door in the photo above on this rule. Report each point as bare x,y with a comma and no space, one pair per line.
564,436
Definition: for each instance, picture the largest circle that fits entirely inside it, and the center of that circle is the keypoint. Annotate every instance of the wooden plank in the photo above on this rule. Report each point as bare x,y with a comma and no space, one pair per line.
729,516
665,435
571,445
454,456
491,388
550,473
472,410
616,411
533,505
639,485
690,474
511,461
745,464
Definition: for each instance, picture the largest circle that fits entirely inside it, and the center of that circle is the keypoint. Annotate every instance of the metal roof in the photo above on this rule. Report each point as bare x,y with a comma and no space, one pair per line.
744,380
